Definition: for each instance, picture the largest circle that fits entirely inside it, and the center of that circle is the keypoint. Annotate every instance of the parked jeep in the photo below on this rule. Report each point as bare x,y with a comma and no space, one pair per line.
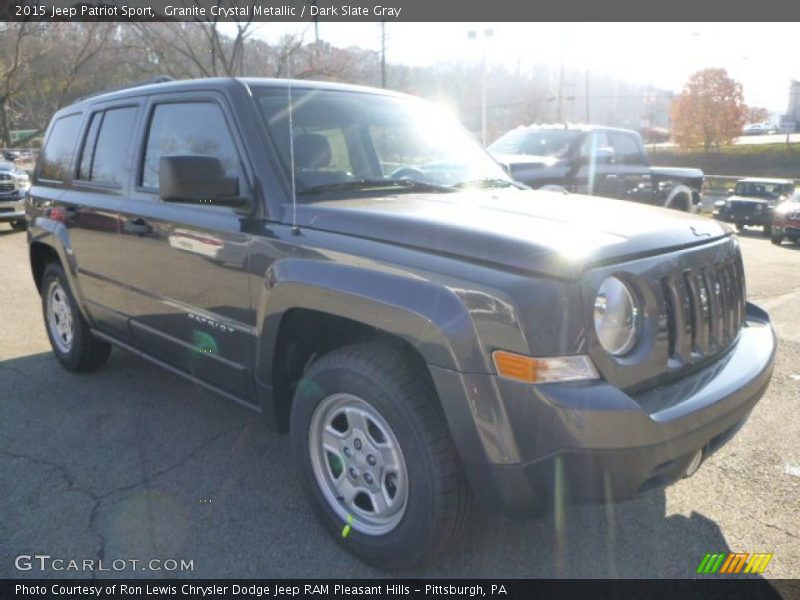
427,331
594,160
752,202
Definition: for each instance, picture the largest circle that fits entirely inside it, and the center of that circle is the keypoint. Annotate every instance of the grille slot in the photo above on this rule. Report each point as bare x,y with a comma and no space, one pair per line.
704,310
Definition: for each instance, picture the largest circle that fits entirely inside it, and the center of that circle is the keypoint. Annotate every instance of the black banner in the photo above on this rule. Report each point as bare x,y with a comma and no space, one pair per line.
394,10
408,589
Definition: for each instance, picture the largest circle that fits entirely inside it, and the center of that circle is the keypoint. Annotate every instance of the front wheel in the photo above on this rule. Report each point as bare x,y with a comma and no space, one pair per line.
739,227
70,335
376,458
776,239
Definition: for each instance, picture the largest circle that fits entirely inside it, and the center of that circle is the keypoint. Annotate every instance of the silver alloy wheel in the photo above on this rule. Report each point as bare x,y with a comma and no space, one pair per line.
358,464
59,317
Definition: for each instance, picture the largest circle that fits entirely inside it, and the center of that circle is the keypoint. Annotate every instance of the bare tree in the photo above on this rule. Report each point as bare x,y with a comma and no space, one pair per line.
14,61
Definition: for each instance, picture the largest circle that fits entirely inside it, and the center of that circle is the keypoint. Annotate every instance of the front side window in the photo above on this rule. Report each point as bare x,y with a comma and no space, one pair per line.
544,142
626,149
59,150
596,144
180,129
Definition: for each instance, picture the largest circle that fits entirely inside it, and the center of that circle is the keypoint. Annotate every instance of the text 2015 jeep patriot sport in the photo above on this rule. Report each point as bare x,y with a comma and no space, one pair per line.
352,264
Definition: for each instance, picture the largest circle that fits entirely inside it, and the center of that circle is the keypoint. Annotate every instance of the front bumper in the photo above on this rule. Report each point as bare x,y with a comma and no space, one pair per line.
790,229
758,219
591,442
12,207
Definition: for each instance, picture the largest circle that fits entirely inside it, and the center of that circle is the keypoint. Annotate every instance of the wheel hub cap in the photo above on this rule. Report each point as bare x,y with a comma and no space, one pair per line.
358,464
59,317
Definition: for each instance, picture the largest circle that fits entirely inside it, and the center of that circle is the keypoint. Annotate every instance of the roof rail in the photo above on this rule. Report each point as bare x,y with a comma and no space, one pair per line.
125,86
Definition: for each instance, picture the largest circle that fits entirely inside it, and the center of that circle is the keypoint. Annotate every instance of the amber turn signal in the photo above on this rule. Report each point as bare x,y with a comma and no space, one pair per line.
540,370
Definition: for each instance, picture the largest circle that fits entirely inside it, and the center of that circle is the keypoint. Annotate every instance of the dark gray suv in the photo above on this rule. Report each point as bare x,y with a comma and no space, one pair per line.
352,265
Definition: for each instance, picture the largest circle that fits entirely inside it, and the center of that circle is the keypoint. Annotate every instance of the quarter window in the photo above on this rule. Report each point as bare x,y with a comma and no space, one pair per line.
196,128
60,149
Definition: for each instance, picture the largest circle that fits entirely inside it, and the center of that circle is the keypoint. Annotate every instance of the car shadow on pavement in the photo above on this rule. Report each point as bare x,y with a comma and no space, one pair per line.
133,462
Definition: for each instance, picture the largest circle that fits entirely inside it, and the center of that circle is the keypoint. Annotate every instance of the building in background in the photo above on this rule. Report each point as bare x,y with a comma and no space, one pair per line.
793,111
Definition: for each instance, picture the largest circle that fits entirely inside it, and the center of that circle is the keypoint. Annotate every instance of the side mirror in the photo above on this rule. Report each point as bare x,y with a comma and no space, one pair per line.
198,180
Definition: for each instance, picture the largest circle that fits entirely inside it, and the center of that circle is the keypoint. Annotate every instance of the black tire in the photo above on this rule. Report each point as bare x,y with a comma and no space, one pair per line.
84,352
739,227
767,230
19,225
776,239
438,501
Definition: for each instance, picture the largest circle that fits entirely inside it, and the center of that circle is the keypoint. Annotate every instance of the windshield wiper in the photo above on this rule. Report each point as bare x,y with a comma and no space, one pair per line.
370,184
487,182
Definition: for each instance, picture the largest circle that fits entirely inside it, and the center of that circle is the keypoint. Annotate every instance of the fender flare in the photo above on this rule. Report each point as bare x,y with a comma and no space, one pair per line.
54,235
428,316
677,191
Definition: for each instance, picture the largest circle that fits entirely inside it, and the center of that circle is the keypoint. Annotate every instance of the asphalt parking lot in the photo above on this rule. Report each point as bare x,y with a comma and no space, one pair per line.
132,462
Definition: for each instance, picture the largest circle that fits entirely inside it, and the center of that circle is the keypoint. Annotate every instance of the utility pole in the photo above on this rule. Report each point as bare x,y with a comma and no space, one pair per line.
383,54
561,80
588,120
487,33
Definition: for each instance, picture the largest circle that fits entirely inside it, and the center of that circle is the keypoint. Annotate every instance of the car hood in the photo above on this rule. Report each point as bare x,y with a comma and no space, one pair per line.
528,160
544,232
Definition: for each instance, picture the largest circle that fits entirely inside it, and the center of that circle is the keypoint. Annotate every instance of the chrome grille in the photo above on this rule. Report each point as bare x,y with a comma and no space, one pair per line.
6,183
705,309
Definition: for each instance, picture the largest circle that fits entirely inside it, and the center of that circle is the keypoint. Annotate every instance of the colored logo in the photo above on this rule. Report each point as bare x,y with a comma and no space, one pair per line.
733,563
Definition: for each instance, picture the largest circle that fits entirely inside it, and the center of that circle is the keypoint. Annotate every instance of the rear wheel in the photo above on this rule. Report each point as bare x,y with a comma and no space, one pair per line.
776,239
70,335
739,227
20,225
376,458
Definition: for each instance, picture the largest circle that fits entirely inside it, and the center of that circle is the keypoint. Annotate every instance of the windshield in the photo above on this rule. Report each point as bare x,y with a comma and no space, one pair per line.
543,142
760,189
347,141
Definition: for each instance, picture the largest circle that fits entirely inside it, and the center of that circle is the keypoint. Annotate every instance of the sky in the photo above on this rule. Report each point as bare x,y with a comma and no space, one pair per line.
762,56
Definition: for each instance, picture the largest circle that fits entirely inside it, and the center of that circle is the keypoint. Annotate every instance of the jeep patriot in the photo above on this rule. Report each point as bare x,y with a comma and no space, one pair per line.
350,263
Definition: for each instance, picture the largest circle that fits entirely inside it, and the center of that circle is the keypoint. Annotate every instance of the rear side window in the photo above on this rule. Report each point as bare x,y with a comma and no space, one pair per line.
106,153
59,151
626,149
196,128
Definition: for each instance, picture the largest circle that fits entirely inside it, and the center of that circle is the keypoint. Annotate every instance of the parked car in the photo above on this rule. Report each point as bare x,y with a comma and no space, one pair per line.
600,161
12,155
752,201
765,128
14,184
786,220
426,330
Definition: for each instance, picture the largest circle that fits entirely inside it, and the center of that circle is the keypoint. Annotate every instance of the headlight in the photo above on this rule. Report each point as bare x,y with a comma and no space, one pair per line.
21,179
616,317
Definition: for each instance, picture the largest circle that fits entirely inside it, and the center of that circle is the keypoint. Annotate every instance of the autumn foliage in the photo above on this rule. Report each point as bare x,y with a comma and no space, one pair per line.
710,111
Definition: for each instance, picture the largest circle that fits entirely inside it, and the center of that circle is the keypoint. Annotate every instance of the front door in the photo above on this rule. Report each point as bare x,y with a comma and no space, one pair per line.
187,265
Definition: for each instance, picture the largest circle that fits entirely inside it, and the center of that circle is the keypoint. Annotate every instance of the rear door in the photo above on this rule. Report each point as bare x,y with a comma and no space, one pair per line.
82,180
630,175
596,171
186,266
